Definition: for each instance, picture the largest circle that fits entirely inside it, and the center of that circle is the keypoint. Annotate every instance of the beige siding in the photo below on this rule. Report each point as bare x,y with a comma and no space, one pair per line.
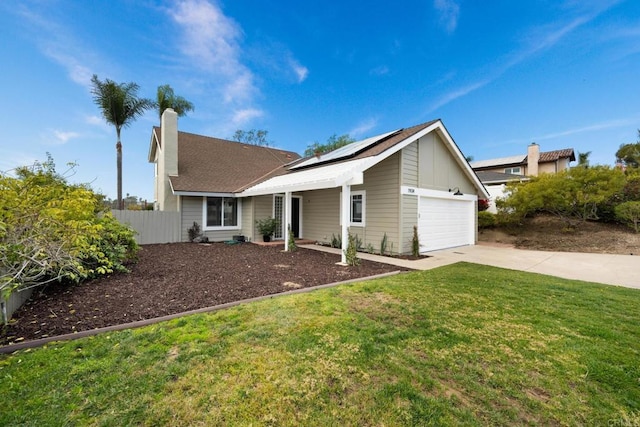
382,186
438,168
321,214
262,208
410,165
192,211
248,220
409,208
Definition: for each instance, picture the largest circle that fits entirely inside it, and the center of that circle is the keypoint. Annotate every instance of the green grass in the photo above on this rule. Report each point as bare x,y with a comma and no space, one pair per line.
462,344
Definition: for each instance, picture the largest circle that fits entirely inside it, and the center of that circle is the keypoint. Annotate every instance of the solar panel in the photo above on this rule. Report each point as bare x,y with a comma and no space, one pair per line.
346,151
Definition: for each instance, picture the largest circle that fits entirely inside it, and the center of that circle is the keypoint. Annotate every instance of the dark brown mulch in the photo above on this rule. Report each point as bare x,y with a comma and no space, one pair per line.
174,278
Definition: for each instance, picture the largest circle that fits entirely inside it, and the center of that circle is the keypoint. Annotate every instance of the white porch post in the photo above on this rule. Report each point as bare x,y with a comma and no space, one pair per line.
346,217
287,220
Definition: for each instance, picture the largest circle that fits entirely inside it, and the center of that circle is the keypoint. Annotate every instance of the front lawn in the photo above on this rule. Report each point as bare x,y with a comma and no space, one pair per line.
462,344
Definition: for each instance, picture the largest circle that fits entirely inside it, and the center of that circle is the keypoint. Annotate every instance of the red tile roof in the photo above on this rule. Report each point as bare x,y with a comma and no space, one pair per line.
552,156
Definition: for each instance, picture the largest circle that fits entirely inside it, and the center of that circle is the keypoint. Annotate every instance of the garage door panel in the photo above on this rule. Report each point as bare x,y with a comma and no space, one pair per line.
445,223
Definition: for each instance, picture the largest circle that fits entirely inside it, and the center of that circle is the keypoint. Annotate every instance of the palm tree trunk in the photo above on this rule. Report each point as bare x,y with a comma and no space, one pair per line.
119,173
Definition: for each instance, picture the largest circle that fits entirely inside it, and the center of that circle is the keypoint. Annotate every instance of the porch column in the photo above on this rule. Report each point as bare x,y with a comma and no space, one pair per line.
345,202
287,220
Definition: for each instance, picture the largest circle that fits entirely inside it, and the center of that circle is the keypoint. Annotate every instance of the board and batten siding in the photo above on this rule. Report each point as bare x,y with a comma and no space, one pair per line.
408,203
438,168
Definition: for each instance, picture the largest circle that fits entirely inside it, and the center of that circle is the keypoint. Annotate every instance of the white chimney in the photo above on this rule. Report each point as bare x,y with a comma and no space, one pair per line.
533,157
168,160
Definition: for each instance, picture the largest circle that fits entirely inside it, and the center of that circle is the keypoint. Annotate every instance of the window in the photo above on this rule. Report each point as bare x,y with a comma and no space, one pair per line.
514,171
357,206
357,209
221,212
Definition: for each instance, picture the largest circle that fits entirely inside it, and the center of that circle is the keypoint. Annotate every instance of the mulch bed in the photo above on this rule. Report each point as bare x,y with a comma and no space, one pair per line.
178,277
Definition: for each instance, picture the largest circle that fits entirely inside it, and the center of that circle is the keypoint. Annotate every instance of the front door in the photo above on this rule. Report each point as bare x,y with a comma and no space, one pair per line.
279,213
295,216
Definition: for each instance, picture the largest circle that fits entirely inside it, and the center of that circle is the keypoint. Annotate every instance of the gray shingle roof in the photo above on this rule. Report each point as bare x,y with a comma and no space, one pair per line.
215,165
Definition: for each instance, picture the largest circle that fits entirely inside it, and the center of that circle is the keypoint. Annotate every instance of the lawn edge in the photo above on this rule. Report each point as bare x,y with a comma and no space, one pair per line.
12,348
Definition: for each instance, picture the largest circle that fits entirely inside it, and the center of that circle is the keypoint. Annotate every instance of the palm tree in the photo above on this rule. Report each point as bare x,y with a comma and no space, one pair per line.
167,99
583,159
120,106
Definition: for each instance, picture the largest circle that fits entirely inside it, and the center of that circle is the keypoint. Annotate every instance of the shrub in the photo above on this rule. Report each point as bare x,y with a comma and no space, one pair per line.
415,243
483,205
292,241
351,253
629,213
486,219
336,241
267,226
572,194
53,231
383,244
194,231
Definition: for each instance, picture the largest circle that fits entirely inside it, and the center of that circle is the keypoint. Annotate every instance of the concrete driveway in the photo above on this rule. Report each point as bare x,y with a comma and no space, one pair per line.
621,270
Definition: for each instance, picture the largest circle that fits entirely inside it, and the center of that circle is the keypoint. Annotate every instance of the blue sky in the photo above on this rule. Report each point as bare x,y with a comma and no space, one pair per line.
500,74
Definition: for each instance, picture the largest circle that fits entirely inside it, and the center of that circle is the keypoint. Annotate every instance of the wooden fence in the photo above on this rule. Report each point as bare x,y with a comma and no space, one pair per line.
152,226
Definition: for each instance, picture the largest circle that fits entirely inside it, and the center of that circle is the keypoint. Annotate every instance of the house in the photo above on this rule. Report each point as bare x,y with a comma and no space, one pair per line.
495,173
386,184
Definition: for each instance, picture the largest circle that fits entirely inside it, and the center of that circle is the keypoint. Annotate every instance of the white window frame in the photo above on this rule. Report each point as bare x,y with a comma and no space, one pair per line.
222,227
513,171
362,193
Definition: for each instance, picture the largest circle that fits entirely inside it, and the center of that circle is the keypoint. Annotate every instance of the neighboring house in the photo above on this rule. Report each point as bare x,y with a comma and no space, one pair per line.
495,173
386,184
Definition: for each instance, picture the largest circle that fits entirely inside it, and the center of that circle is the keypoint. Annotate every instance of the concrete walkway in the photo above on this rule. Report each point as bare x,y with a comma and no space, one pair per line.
621,270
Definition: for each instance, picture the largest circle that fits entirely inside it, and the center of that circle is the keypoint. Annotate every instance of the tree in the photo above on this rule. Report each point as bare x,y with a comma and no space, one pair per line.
120,106
629,154
166,98
253,137
583,159
333,143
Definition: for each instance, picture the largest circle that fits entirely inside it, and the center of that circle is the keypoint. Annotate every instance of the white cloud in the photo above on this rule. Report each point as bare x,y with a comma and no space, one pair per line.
62,137
212,41
243,116
610,124
455,94
363,127
539,39
300,71
449,11
57,43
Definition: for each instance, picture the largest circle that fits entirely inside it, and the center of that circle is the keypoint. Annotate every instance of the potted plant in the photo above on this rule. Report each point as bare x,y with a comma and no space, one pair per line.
266,227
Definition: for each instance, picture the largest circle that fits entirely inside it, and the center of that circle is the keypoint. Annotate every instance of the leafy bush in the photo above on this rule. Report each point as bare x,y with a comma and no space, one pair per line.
336,241
629,213
292,241
383,244
194,231
573,194
351,253
415,243
267,226
51,230
483,205
486,219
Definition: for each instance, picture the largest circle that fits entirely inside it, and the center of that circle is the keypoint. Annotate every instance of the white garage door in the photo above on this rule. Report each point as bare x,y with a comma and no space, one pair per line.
445,223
